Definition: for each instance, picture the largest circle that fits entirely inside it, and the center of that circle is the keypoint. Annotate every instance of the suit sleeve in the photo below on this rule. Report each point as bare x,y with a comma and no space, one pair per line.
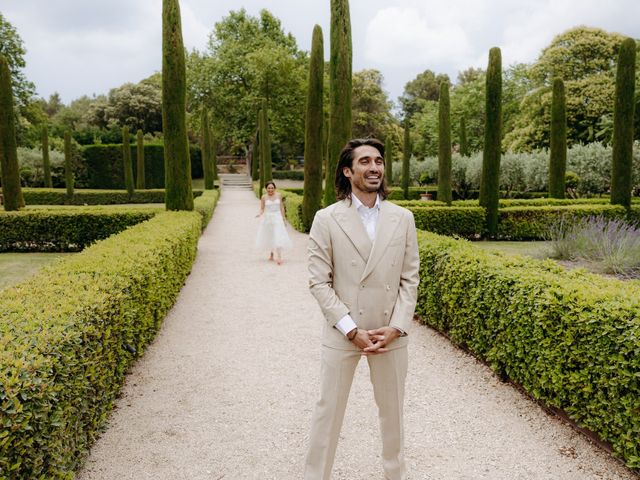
320,254
405,305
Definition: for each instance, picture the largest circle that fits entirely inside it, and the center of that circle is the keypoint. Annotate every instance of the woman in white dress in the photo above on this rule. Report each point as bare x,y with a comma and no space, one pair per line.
272,234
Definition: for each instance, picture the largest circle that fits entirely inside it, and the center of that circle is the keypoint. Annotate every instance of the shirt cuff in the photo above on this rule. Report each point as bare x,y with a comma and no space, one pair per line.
402,332
346,324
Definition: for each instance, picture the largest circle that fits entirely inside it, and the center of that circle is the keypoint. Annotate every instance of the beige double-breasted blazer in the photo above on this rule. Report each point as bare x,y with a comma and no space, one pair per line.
375,283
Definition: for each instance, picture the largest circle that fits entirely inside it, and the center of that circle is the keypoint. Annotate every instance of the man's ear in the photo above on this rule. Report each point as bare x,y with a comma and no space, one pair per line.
346,171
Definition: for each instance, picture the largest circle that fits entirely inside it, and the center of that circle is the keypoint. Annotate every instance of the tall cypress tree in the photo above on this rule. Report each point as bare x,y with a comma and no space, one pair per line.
265,143
444,145
623,124
214,155
325,150
140,181
206,150
558,147
9,168
490,180
464,145
388,159
126,161
406,157
68,172
46,163
178,193
314,131
255,160
339,91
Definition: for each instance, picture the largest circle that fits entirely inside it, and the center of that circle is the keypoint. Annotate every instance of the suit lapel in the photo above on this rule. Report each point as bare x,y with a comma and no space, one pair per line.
386,227
350,222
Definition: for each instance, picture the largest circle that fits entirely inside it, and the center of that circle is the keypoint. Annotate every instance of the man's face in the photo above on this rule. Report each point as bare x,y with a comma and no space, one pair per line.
367,169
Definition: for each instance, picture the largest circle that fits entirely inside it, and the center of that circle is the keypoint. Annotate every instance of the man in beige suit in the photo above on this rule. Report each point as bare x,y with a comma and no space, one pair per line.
363,265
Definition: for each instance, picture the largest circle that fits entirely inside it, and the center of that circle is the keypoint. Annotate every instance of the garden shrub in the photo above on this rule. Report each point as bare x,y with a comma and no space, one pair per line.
205,204
287,175
571,339
466,222
105,169
69,334
65,229
532,223
57,196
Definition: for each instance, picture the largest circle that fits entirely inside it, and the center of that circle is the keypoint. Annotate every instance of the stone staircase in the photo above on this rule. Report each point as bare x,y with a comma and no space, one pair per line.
236,181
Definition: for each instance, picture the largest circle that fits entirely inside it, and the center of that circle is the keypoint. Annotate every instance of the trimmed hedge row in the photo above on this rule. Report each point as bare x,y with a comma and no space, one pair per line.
293,210
104,165
465,222
58,196
569,338
523,223
65,229
287,175
68,335
205,204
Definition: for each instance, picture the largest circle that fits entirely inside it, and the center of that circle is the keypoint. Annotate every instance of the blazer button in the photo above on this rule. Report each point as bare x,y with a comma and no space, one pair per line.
386,313
362,286
360,312
387,287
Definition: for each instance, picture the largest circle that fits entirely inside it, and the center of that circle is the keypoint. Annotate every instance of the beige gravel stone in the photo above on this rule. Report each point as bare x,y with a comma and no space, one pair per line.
227,389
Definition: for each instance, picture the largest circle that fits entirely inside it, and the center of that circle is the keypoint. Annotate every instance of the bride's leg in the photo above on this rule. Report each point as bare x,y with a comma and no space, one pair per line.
271,256
279,256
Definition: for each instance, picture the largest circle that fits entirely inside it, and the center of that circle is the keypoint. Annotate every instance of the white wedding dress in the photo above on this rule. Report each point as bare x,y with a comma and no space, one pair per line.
272,233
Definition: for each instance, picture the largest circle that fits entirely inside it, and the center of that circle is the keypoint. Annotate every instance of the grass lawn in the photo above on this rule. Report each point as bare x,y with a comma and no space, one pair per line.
15,267
530,249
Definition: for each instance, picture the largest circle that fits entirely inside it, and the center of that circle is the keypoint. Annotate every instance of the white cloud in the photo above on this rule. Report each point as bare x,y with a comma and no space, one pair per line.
399,37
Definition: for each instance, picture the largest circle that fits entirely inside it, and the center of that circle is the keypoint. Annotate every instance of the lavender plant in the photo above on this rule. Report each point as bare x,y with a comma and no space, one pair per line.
608,245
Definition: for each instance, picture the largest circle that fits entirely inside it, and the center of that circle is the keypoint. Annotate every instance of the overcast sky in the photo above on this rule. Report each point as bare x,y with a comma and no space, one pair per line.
86,47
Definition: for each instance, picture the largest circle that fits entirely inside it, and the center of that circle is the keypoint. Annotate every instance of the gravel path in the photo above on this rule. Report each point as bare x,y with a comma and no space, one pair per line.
227,389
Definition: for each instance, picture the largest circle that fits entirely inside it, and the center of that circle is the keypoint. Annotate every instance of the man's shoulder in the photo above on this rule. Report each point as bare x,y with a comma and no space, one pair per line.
395,208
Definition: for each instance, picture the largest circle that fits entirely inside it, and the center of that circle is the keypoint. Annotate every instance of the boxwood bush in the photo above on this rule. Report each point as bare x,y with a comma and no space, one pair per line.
571,339
466,222
65,229
69,333
58,196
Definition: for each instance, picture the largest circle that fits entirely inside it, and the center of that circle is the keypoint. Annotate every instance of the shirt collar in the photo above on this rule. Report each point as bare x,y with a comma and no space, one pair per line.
359,204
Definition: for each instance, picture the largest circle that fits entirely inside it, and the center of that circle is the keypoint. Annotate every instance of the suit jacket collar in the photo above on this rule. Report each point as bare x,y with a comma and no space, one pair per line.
350,222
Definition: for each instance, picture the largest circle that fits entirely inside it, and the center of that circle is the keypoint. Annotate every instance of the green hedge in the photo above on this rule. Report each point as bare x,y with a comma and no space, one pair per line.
104,165
287,175
66,336
569,338
58,196
65,229
532,223
466,222
205,205
293,210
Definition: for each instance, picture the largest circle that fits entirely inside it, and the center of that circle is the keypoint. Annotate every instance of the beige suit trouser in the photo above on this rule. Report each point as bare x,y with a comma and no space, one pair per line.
388,372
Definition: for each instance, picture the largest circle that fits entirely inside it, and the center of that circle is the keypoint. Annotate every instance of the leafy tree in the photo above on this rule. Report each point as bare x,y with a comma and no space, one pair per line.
370,105
313,148
558,150
12,48
426,86
340,88
490,183
265,147
462,135
584,58
623,124
179,195
249,59
444,144
138,106
9,168
469,75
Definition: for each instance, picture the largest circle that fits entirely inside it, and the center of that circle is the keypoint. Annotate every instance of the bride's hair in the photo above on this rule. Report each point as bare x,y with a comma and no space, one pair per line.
270,182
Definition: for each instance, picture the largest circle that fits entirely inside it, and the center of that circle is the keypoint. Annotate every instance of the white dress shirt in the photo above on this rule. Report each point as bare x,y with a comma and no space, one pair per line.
369,218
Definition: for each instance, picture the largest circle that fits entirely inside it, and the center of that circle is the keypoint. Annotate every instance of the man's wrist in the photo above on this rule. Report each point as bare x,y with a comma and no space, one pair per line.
352,334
